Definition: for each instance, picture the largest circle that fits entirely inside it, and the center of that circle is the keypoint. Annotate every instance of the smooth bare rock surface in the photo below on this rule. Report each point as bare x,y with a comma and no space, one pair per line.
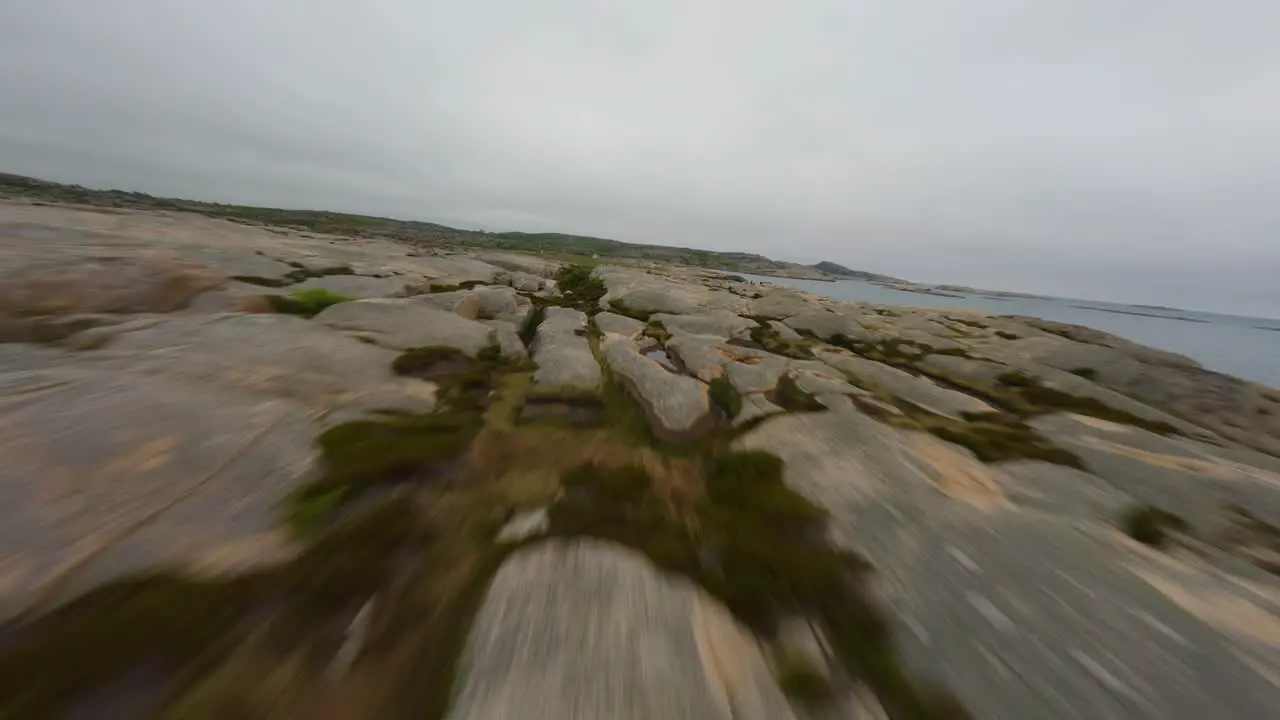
704,356
1193,479
564,357
677,405
986,374
404,324
755,405
640,290
172,447
1246,412
357,286
756,377
1037,609
520,263
111,473
587,630
828,381
825,324
721,324
54,285
779,303
462,303
621,325
891,380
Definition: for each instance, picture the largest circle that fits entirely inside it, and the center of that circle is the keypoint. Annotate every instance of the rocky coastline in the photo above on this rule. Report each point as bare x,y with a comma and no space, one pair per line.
267,472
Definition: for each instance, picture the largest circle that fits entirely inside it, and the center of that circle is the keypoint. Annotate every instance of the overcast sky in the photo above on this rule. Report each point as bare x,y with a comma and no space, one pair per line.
1093,148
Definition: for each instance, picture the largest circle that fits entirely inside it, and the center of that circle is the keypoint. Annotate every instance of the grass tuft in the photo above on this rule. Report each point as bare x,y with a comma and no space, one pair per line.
726,397
802,682
577,284
791,398
306,303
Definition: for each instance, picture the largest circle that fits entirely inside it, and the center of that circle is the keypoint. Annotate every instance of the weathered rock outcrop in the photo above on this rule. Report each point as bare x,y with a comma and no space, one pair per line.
103,285
1008,583
677,405
404,324
157,419
621,325
918,390
549,643
723,324
522,263
564,357
638,290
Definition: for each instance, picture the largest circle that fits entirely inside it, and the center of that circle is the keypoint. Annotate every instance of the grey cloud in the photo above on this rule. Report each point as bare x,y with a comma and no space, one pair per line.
1112,150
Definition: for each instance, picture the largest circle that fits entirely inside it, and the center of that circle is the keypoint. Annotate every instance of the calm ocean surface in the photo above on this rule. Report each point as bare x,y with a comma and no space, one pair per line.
1242,346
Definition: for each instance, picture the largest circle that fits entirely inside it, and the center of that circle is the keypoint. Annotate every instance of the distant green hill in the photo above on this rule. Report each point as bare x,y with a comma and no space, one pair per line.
839,270
415,231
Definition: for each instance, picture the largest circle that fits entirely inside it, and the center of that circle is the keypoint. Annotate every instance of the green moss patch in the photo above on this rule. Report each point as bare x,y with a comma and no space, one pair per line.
997,438
577,285
656,330
362,455
529,330
791,398
802,682
767,338
307,303
726,397
889,352
1035,398
465,383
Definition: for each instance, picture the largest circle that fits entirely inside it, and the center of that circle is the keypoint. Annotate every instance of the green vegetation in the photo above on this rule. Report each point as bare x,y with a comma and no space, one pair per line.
1031,397
529,330
1151,525
996,438
364,454
726,397
765,337
970,323
889,352
802,682
432,363
791,398
577,285
307,303
656,330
